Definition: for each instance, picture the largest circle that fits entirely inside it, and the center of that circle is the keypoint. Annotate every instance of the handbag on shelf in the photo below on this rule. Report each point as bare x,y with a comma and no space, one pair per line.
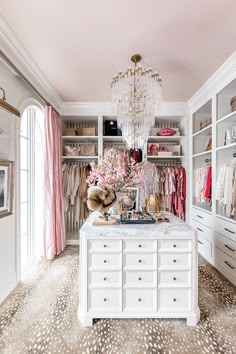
71,151
70,132
166,132
88,150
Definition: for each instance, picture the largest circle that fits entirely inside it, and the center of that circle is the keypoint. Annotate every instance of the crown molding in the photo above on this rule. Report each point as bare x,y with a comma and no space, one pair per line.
105,109
15,51
221,78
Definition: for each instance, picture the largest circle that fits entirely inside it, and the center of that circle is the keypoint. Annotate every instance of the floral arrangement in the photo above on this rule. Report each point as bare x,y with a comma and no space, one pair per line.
116,173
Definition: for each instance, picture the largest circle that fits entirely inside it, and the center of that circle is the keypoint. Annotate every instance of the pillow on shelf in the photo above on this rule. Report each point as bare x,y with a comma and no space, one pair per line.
166,132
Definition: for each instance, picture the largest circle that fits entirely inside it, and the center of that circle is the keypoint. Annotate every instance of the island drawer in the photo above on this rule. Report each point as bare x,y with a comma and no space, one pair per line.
105,261
102,300
105,245
140,245
143,261
173,278
140,279
104,279
174,245
174,261
140,300
174,300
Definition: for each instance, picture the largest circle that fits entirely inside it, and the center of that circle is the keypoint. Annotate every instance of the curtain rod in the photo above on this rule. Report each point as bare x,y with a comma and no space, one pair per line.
10,63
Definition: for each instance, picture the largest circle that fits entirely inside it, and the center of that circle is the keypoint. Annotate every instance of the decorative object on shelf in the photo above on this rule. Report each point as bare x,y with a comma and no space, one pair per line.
166,132
209,144
70,131
101,199
167,149
6,187
136,217
136,95
233,104
86,131
7,106
228,137
204,123
233,134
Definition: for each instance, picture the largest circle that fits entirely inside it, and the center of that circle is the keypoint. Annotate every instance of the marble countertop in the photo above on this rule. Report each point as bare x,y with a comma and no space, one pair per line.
175,227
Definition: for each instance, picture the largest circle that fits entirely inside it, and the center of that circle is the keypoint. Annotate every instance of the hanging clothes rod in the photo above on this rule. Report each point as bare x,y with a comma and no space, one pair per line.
208,160
24,78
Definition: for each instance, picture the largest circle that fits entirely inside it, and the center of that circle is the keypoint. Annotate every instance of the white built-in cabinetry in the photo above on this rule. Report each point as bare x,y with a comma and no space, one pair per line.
216,231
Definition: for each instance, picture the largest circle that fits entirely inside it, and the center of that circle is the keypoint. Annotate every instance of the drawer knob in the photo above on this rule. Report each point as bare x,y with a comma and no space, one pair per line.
140,245
104,246
174,246
104,299
174,299
139,278
139,299
174,260
139,261
105,261
105,279
174,278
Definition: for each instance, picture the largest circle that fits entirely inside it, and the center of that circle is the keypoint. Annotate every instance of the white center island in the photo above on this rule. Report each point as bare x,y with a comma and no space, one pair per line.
138,271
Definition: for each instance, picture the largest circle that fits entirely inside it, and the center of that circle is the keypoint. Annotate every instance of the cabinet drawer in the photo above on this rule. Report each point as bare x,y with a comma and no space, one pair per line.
174,278
226,228
174,300
102,300
174,245
225,244
204,247
174,261
225,261
203,230
140,279
203,217
140,261
105,279
105,261
105,245
140,246
140,300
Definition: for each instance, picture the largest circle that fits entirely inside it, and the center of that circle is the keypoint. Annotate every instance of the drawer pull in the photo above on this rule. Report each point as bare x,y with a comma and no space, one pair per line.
174,299
139,300
174,260
139,261
229,265
104,246
104,299
105,261
140,245
139,278
174,278
174,246
199,229
232,232
199,216
105,279
201,243
229,248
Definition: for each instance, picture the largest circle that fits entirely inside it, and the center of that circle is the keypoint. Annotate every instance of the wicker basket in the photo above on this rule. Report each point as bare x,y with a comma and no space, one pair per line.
70,132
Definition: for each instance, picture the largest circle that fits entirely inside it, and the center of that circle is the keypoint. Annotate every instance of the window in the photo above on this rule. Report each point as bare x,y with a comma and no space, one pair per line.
32,191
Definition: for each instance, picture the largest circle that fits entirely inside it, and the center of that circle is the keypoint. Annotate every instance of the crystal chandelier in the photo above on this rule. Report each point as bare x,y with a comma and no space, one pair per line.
136,96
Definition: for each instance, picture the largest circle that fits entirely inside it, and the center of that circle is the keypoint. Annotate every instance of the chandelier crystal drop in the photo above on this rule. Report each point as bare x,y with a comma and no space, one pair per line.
136,97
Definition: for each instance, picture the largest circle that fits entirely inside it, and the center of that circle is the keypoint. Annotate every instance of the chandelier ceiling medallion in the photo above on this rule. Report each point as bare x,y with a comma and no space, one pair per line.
136,97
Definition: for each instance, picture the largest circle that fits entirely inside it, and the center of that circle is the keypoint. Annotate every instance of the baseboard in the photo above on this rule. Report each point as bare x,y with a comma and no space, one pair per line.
72,242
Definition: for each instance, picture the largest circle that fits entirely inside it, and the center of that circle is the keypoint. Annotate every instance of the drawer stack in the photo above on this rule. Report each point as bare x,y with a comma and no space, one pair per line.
140,275
174,274
202,221
104,276
225,248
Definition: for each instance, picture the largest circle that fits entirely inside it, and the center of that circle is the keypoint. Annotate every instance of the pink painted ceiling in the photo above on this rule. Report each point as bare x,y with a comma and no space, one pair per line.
80,44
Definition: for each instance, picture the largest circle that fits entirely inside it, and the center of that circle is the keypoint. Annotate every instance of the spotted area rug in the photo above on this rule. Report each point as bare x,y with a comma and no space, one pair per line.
40,316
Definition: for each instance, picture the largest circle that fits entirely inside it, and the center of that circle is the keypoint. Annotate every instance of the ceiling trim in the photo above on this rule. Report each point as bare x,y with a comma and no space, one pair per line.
105,108
221,78
15,51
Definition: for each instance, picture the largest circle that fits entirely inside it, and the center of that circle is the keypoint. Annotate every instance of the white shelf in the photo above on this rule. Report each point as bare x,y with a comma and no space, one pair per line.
116,137
204,130
79,157
172,137
166,157
226,147
227,117
77,137
203,207
203,153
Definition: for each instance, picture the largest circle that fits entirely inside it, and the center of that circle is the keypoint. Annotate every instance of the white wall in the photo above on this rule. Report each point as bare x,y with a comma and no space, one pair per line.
17,91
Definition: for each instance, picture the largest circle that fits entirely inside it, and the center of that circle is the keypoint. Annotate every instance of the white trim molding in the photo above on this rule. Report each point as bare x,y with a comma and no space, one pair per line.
14,50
